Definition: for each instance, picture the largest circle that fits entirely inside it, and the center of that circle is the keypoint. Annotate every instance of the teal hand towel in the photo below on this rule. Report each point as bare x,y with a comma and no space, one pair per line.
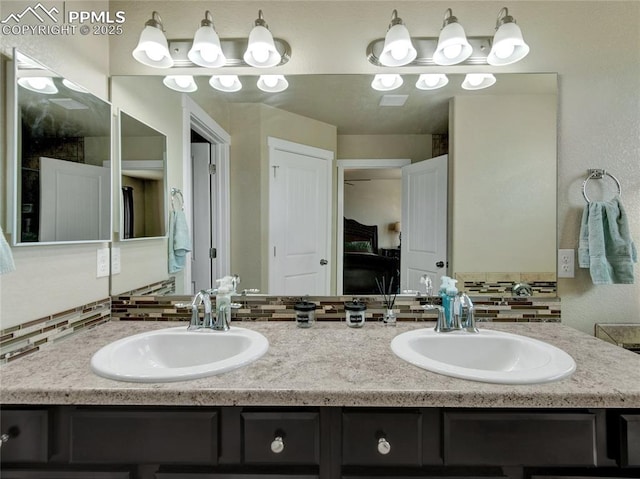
6,257
605,245
179,241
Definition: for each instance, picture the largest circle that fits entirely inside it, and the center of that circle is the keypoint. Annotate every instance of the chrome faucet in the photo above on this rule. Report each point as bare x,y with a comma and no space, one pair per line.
209,321
462,316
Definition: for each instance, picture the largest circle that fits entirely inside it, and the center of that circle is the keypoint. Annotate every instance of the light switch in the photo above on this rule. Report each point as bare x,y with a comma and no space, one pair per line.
115,260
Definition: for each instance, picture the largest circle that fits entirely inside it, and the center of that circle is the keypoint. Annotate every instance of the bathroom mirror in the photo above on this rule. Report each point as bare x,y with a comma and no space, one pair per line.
62,139
368,130
143,184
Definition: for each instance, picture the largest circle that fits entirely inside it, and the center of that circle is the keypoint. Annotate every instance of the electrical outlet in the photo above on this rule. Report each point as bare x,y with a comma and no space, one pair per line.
102,263
566,263
115,260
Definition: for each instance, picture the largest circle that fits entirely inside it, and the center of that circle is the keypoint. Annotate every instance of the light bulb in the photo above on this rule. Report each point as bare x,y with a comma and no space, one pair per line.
452,51
183,81
39,83
431,80
226,80
208,53
399,52
270,80
504,49
260,53
475,79
387,80
154,52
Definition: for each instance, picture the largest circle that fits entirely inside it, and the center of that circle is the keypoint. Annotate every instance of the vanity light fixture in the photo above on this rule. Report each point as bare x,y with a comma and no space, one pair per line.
261,51
225,83
152,49
478,81
398,49
181,83
453,46
386,81
206,50
431,81
508,45
39,84
272,83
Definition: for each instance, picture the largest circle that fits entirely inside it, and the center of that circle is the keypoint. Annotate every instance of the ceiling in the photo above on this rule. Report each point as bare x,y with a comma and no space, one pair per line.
349,102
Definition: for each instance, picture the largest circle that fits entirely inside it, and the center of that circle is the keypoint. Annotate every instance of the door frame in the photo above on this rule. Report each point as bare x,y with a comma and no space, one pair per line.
195,118
274,144
354,164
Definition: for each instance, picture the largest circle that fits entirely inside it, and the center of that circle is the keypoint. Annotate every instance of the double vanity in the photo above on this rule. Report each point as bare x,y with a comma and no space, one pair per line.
327,401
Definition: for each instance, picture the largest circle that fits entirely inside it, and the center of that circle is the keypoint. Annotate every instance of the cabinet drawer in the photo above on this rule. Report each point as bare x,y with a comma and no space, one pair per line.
280,437
630,440
514,438
60,474
145,436
28,432
363,431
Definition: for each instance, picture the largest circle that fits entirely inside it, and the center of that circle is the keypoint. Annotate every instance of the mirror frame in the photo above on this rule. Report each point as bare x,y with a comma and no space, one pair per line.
15,158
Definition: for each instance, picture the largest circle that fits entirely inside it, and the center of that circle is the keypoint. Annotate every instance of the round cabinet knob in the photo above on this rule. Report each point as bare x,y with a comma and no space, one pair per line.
383,446
277,445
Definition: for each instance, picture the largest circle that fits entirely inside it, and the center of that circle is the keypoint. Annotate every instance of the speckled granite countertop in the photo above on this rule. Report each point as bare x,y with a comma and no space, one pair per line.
327,365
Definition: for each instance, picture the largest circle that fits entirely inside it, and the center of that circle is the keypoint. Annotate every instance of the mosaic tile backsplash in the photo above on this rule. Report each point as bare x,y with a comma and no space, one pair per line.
156,302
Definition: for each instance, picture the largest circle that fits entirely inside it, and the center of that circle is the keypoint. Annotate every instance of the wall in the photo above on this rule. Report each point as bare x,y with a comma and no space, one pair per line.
512,231
375,202
49,279
599,110
414,147
250,126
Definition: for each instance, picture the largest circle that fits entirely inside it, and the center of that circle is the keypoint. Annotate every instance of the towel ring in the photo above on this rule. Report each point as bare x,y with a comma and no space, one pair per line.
597,175
175,192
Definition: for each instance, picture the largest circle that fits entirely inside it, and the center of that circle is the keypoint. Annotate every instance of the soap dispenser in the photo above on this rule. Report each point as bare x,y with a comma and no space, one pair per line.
223,302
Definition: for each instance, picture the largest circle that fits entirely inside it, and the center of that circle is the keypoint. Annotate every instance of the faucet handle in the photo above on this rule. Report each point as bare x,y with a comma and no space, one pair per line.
467,313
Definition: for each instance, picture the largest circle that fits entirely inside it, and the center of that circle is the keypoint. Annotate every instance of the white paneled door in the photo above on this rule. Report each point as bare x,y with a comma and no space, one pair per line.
424,222
299,218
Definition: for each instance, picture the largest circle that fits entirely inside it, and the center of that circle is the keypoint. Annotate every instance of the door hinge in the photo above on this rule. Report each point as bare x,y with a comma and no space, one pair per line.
212,169
213,253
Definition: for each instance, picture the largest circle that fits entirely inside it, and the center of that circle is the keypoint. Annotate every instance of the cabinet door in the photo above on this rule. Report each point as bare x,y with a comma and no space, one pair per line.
28,432
630,440
281,438
144,436
519,438
382,438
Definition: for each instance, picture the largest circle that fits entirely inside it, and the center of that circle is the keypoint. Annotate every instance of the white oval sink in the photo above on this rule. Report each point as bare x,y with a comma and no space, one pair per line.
488,356
176,354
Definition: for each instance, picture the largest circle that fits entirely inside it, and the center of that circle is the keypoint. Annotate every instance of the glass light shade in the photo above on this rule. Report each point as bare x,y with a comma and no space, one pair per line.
226,83
181,83
478,81
152,49
38,84
72,86
386,81
272,83
206,50
453,46
431,81
508,45
261,51
398,49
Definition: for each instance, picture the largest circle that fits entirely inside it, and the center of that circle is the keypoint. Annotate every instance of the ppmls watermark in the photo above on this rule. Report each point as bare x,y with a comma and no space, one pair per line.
56,19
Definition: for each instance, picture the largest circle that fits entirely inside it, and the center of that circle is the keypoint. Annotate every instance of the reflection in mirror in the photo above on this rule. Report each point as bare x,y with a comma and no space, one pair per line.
62,138
501,145
143,179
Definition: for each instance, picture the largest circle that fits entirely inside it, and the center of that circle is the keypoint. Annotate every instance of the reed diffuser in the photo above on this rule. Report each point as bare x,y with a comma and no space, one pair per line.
389,299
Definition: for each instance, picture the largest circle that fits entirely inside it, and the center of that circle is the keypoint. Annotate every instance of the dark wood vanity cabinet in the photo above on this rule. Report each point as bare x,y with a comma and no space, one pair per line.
324,442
